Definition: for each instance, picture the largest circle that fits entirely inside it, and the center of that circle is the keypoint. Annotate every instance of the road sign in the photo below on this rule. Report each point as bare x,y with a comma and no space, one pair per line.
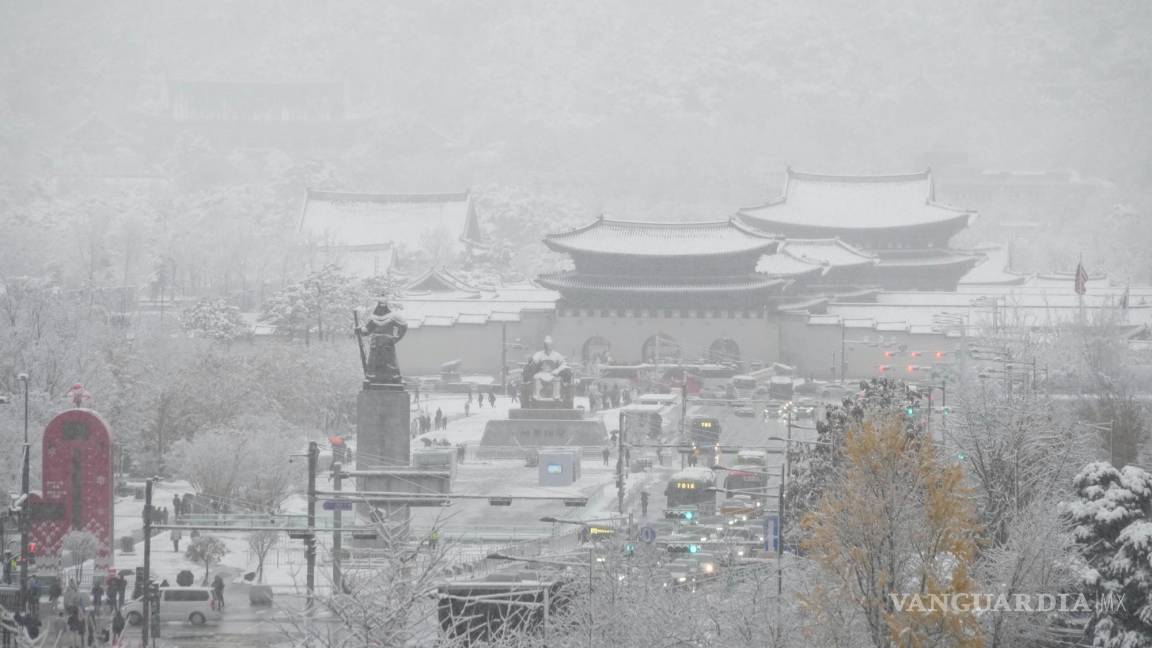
648,534
771,532
337,505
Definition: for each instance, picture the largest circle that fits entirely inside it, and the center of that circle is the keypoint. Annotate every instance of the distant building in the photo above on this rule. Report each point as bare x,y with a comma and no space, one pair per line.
656,292
894,218
448,320
368,234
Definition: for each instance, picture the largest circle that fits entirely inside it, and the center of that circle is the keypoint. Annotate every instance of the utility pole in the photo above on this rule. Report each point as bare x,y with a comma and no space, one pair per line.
22,603
1111,442
620,466
310,541
146,627
337,479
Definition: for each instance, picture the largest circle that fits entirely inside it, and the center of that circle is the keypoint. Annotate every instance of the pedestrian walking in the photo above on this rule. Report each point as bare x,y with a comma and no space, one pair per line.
439,419
97,596
111,583
461,451
175,536
117,627
121,590
75,629
187,504
433,540
660,455
644,503
605,453
54,593
177,509
218,592
34,595
514,397
491,398
467,406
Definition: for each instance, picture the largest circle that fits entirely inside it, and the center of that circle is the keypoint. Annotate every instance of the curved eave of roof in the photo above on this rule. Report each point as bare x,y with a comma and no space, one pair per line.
611,284
861,258
800,268
568,242
959,220
927,261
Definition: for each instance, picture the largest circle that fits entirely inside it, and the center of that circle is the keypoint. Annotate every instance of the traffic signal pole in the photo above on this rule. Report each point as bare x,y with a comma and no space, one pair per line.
146,627
310,541
22,602
337,480
620,466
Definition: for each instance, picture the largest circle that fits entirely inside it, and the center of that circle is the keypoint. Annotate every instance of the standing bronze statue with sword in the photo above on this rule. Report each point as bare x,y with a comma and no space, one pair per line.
384,329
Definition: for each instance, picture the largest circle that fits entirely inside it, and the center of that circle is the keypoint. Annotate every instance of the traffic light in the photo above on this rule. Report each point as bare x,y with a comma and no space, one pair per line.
499,501
32,547
686,548
915,354
911,368
911,410
883,368
629,548
679,515
888,354
939,354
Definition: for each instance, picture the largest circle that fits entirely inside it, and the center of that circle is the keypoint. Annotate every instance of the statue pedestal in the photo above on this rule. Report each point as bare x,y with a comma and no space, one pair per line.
383,428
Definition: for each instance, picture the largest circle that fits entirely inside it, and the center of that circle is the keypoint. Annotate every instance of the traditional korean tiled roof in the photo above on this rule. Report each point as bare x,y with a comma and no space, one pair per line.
505,304
801,257
933,257
565,281
440,280
408,221
993,270
642,238
855,203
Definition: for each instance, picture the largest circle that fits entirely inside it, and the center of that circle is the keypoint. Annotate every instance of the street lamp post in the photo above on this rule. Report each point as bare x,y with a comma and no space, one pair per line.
24,486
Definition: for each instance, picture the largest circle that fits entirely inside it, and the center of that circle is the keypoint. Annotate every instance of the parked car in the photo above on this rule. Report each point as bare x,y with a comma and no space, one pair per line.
191,604
744,411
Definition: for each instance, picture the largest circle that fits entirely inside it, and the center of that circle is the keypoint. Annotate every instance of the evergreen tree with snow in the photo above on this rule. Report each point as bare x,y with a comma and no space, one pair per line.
215,319
1111,520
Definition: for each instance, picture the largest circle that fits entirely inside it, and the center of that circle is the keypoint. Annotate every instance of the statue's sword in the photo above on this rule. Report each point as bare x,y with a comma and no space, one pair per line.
360,341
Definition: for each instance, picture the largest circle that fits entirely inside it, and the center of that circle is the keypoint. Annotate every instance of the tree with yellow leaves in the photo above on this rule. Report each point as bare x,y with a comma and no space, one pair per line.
895,535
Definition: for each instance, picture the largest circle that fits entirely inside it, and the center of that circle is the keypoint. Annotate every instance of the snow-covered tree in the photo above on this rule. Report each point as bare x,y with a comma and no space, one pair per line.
1111,521
894,521
242,465
260,543
813,465
80,546
214,319
1014,447
206,550
329,297
212,463
287,310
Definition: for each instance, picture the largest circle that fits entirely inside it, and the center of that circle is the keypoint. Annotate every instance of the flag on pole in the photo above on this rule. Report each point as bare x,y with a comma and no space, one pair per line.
1124,297
1081,279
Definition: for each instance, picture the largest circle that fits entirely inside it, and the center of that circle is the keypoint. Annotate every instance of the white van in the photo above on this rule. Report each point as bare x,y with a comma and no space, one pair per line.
191,604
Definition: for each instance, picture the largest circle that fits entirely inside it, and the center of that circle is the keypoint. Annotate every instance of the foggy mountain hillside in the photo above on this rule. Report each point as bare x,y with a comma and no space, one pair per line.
148,111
